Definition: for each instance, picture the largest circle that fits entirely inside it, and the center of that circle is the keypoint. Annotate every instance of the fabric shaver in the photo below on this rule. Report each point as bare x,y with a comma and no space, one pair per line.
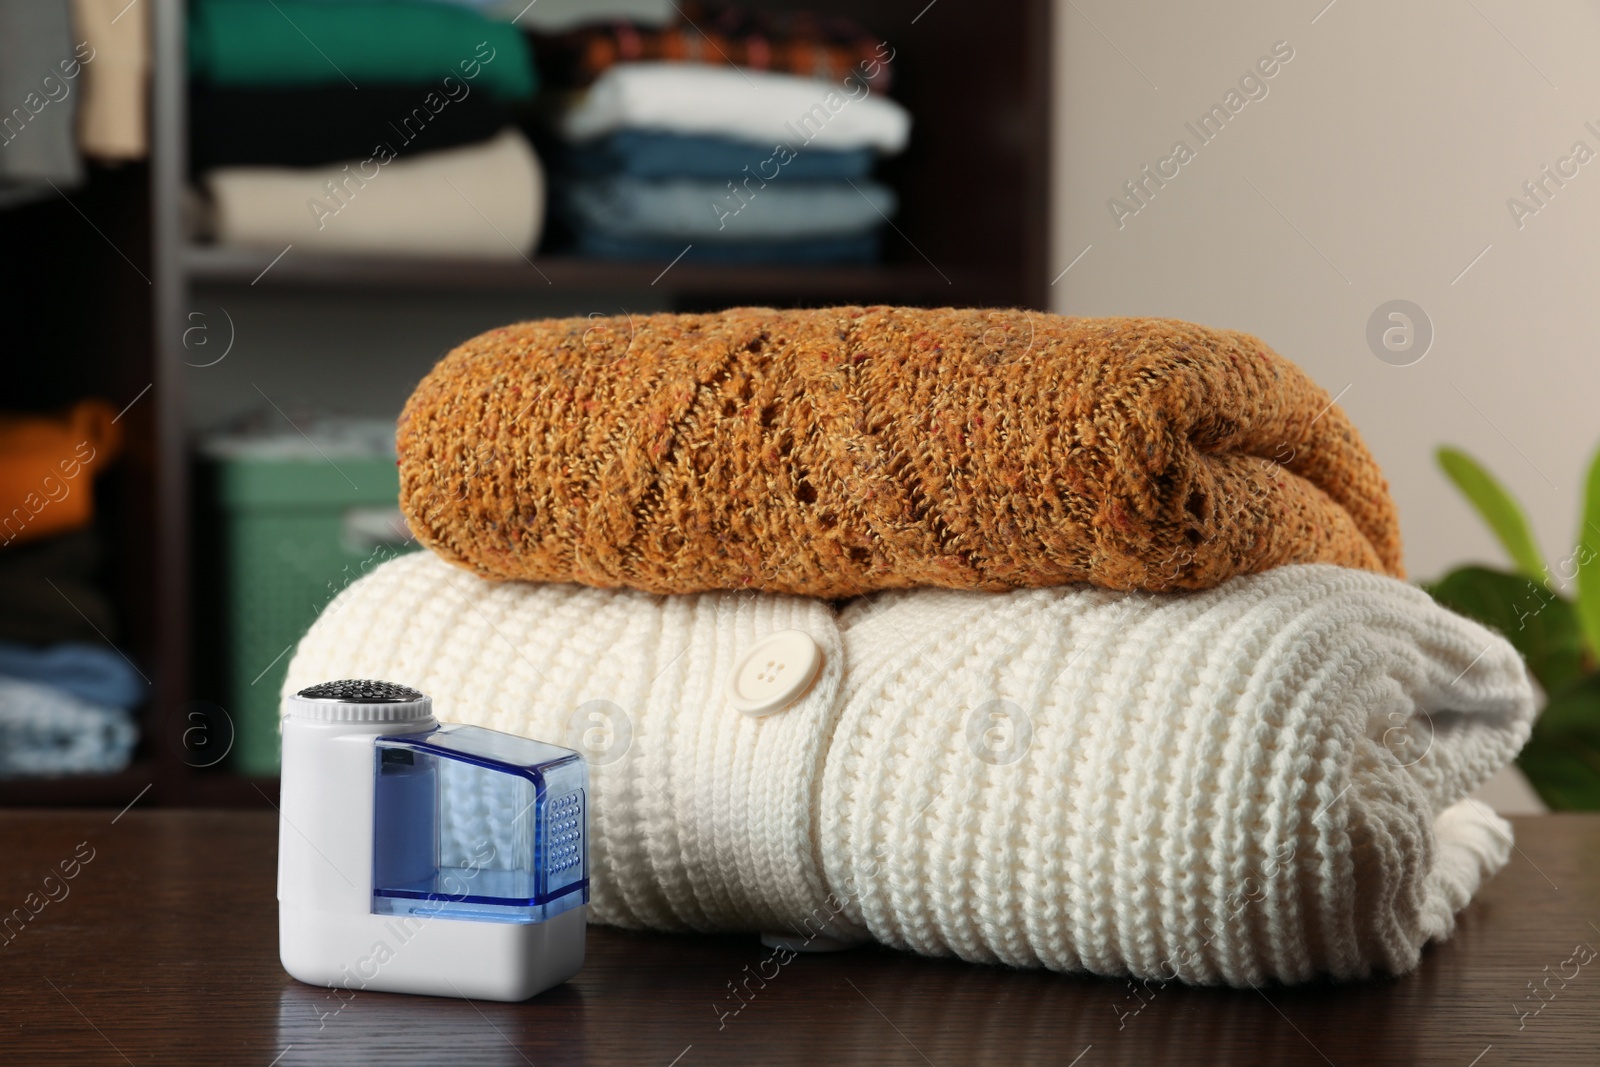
415,857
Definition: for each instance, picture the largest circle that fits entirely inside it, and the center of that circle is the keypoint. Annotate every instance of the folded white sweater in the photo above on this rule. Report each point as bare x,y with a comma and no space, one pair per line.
1262,781
760,106
482,201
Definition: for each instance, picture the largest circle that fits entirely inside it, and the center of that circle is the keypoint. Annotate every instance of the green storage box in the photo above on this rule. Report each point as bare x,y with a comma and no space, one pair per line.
295,531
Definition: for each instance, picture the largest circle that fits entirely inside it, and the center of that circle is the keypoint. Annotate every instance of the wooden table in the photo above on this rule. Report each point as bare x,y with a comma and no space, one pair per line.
163,950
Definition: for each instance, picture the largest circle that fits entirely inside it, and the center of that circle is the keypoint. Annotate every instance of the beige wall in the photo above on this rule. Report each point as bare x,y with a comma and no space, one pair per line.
1391,141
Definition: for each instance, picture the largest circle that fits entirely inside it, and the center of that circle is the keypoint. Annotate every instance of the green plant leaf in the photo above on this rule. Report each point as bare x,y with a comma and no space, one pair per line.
1498,508
1589,560
1565,775
1562,759
1542,624
1574,710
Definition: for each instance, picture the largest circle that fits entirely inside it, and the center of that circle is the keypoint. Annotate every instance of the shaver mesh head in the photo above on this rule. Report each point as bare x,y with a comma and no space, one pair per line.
353,700
360,691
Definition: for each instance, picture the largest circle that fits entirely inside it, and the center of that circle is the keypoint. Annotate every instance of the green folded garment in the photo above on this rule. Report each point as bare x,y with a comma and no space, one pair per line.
314,42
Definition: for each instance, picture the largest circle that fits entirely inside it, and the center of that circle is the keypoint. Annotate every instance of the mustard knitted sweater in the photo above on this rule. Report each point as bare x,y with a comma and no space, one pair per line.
839,451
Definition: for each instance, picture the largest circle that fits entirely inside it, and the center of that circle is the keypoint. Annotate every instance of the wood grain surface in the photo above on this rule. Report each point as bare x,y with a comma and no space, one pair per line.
162,949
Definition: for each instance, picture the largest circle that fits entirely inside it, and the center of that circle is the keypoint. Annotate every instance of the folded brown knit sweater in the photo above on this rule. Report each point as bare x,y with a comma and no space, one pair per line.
836,451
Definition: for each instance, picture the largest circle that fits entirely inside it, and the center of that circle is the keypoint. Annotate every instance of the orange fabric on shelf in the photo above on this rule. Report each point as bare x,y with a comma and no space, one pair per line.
47,469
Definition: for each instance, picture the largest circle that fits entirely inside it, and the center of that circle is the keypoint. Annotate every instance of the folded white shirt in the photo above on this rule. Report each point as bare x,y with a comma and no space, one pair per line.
483,201
751,105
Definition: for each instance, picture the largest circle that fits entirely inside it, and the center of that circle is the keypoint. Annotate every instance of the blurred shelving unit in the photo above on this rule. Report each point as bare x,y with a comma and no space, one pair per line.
971,231
212,265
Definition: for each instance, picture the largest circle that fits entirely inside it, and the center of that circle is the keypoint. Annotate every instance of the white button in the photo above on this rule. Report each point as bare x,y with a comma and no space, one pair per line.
774,673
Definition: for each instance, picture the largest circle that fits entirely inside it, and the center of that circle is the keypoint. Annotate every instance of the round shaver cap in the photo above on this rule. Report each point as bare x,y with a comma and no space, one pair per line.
359,700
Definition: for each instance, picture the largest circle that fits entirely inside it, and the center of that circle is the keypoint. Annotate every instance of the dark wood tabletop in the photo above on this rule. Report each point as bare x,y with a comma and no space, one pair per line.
162,949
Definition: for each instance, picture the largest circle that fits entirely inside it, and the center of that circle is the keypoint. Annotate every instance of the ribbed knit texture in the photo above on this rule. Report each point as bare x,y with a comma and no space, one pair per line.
1206,791
1262,781
703,820
838,451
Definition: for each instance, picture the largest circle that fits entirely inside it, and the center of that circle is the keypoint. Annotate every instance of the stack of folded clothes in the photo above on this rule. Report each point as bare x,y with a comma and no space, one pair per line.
731,139
374,126
1060,642
65,696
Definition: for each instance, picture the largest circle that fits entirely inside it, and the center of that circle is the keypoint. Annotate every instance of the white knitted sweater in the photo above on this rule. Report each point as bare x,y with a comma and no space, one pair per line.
1261,781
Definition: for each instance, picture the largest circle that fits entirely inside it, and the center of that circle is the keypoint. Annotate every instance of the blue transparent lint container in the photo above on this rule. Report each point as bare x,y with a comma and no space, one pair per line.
475,824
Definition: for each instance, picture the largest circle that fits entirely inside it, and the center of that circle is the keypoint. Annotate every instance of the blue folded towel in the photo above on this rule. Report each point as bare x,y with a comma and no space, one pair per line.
93,672
653,154
699,210
48,731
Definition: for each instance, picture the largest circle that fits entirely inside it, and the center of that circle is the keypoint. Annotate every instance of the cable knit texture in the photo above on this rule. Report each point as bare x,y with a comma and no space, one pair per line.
1261,781
839,451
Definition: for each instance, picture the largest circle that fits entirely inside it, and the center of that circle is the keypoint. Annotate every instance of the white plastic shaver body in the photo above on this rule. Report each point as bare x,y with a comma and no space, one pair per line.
419,858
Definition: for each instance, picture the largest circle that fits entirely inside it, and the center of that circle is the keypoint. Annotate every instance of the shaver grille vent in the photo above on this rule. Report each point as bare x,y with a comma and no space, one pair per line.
565,840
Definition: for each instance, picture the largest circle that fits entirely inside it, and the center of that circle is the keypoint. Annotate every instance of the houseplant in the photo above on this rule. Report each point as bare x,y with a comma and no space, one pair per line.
1557,634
